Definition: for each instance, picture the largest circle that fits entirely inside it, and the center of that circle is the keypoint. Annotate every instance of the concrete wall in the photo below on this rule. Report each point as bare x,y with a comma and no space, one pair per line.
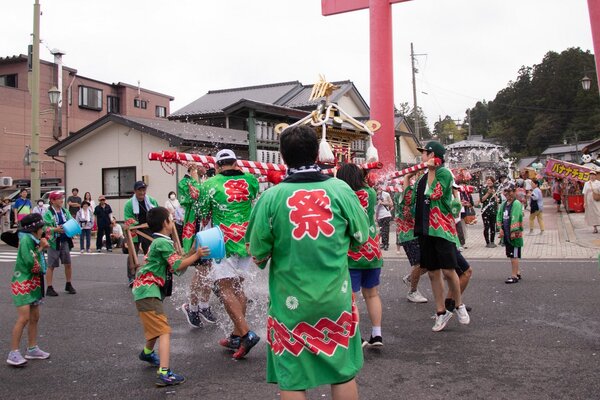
112,146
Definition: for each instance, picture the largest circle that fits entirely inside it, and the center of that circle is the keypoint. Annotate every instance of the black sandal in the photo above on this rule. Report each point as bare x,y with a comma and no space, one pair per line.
519,276
512,279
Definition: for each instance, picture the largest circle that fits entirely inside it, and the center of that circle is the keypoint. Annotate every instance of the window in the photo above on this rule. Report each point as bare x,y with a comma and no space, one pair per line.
8,80
161,112
90,98
118,182
137,103
112,104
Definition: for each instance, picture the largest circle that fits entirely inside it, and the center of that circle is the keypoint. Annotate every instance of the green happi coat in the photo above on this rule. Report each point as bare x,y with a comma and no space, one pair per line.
368,256
405,220
189,198
305,228
161,258
516,222
131,219
441,222
228,197
51,225
26,284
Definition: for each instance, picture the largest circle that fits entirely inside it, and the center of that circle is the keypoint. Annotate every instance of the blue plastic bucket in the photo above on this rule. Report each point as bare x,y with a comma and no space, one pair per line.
71,228
213,239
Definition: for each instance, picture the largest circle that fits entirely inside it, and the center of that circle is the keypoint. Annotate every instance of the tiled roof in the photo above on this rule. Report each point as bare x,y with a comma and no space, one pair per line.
566,148
301,98
177,133
216,100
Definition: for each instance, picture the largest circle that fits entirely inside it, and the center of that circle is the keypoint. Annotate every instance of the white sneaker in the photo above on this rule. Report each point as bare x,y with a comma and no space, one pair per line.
441,321
463,315
406,280
16,359
416,297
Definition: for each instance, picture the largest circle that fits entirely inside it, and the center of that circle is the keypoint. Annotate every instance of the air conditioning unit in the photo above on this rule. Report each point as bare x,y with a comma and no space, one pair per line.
6,181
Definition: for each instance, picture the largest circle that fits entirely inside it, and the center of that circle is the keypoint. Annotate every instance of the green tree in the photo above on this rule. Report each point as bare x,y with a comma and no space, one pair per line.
446,131
478,118
544,105
405,110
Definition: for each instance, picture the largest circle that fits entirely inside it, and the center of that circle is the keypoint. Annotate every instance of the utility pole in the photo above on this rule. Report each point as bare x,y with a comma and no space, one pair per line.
413,58
469,123
35,105
415,112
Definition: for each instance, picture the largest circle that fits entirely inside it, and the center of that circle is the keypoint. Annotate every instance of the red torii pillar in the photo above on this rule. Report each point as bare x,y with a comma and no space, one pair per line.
381,62
381,65
594,9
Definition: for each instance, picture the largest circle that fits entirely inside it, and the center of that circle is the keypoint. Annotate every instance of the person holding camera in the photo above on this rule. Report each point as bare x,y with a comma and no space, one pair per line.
384,216
85,217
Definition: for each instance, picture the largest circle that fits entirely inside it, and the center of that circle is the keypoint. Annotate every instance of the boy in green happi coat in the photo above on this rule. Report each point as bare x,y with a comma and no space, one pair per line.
436,229
509,221
305,227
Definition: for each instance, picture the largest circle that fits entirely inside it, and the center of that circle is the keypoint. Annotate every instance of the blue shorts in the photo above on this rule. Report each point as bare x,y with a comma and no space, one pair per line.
364,278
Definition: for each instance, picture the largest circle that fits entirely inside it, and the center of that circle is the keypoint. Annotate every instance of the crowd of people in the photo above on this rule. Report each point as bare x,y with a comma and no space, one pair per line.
317,236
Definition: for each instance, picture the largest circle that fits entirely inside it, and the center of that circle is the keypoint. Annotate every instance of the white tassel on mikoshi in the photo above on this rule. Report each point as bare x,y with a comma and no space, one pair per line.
371,154
325,152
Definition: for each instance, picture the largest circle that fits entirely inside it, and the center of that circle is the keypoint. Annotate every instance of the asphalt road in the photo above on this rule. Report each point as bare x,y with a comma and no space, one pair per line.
538,339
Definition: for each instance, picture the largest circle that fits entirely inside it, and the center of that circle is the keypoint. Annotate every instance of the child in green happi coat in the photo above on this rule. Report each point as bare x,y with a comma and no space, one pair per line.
27,289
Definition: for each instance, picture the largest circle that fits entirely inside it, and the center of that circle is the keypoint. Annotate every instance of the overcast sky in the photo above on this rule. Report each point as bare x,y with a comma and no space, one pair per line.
186,47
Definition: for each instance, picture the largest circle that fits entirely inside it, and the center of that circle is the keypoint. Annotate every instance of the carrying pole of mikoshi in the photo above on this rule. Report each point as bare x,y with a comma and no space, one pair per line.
414,168
254,167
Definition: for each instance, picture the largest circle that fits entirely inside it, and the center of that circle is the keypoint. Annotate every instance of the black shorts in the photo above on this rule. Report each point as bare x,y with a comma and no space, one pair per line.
437,253
462,264
413,252
511,251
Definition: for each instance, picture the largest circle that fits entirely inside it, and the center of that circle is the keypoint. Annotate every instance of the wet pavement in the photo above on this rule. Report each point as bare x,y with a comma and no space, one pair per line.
537,339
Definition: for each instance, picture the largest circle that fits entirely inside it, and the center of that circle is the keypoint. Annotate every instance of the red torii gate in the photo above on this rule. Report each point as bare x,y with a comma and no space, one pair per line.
381,62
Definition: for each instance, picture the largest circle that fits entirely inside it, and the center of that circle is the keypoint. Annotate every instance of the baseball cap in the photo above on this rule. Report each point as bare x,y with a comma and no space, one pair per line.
225,154
139,185
55,195
436,147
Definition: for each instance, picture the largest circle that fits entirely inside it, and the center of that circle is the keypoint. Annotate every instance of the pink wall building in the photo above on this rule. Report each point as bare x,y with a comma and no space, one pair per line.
84,100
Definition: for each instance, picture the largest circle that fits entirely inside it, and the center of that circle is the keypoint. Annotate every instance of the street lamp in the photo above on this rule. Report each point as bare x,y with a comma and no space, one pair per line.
586,82
54,95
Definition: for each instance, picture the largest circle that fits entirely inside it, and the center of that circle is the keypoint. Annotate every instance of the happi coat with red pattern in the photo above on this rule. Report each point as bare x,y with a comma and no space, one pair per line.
305,228
161,258
228,197
367,256
26,283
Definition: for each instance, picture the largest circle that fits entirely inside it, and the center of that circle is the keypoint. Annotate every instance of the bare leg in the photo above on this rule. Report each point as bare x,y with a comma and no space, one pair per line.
49,274
453,285
234,307
415,276
68,272
17,332
150,343
293,395
32,330
514,263
374,308
345,391
437,286
164,351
